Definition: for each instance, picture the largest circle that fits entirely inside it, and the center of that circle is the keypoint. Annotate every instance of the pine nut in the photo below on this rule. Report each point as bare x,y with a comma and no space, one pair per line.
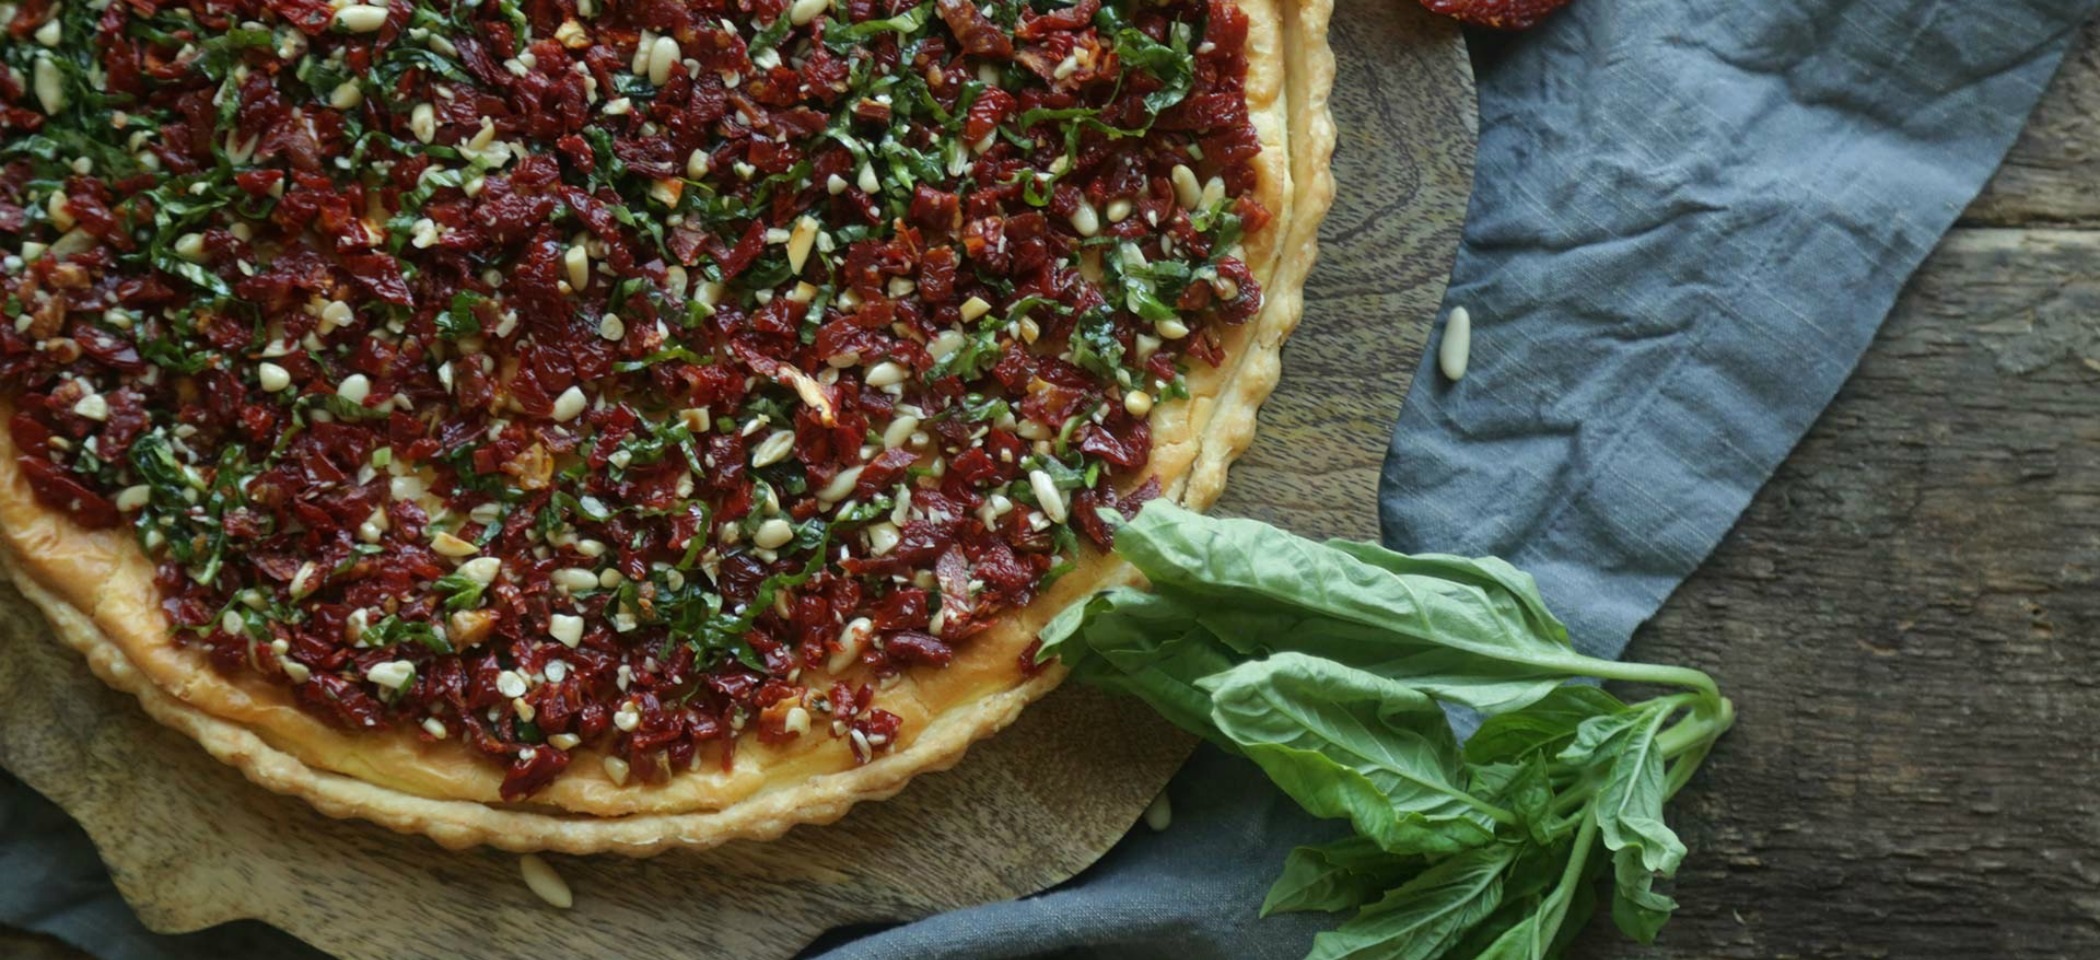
1186,188
799,242
663,55
543,881
773,534
1452,352
361,18
1048,497
50,86
569,405
578,263
887,373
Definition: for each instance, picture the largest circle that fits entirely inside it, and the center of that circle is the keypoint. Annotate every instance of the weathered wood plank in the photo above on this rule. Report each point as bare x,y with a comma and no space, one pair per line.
2048,177
1907,618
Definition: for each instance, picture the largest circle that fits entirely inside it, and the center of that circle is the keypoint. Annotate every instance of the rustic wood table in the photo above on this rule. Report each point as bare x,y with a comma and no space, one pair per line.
1906,617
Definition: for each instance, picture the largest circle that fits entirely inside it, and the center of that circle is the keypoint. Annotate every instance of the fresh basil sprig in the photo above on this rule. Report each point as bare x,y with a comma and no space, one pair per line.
1331,664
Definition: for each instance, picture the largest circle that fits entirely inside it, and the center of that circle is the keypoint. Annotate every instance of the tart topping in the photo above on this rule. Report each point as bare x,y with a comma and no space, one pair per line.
561,375
1496,14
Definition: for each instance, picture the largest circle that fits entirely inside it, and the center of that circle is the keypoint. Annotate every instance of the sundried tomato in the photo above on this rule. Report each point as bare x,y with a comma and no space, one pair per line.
1496,14
532,768
976,32
55,486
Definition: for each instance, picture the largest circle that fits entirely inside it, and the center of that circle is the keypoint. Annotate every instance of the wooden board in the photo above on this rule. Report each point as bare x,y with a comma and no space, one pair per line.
191,844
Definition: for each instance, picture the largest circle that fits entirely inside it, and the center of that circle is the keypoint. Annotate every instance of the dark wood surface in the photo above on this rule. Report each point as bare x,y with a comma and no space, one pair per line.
1909,616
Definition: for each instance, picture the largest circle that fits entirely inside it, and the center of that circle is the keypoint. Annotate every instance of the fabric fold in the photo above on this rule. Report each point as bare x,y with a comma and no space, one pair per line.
1688,222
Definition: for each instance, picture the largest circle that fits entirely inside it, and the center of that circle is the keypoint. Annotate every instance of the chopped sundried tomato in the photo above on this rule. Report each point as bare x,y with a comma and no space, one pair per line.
533,767
55,486
913,648
1496,14
976,32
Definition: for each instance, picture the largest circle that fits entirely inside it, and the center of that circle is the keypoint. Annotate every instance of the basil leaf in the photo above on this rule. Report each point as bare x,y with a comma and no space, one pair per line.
1455,676
1144,645
1514,593
1545,727
196,274
218,55
1524,789
660,355
1481,607
1521,940
1336,876
1524,927
770,35
1426,915
1636,909
395,630
843,39
1345,743
1170,62
1629,805
460,321
1173,66
1329,665
461,592
1094,346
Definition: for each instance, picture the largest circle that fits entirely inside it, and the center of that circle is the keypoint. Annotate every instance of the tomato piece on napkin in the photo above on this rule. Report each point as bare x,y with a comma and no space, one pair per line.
1496,14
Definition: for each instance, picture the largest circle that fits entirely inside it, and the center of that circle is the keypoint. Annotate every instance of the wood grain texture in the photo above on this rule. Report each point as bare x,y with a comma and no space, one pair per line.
1385,252
2048,178
190,844
1906,619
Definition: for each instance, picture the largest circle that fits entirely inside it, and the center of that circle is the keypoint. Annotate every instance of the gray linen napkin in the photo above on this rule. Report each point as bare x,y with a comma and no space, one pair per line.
1689,218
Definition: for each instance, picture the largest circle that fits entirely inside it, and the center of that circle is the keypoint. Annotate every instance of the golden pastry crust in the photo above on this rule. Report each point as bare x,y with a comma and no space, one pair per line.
97,589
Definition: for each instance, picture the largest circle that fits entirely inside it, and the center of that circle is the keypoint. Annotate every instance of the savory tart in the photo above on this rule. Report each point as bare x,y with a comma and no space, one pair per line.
588,425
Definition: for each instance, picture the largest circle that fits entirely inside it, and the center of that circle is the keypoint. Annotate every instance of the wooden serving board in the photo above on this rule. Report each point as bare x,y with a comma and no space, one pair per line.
192,844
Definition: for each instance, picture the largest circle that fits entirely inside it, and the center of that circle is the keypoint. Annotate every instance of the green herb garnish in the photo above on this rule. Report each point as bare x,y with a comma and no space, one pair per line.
1331,666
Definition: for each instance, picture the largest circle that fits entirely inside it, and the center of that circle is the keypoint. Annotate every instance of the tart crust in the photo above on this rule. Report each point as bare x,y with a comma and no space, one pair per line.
97,589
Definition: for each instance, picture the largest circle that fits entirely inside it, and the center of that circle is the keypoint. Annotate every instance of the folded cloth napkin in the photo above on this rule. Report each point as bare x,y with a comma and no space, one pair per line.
1689,218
